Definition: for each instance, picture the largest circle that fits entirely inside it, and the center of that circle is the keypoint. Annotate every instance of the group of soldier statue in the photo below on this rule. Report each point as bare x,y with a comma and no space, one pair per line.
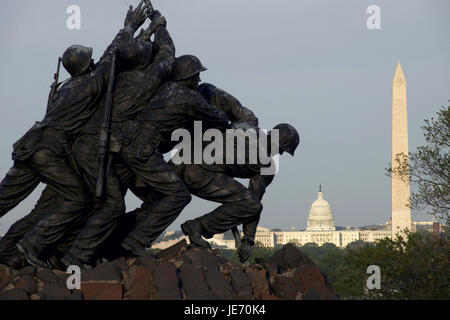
105,131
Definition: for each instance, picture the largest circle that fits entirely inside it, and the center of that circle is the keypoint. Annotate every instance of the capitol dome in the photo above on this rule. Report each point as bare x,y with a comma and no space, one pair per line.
320,216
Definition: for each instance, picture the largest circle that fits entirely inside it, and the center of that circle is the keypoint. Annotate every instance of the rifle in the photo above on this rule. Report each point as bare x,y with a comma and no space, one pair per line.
54,85
105,159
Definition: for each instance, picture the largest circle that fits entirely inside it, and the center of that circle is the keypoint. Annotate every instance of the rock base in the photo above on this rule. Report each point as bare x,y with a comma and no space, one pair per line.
178,273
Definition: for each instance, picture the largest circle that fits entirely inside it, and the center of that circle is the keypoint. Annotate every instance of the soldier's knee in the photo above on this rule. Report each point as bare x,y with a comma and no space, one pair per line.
254,206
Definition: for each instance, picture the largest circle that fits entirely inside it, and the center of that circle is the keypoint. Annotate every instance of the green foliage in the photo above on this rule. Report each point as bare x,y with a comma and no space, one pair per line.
311,244
327,257
357,244
328,245
414,268
257,253
428,168
230,255
261,253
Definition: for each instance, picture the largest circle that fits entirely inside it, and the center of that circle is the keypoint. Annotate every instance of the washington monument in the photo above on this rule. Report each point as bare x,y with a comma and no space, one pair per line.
401,213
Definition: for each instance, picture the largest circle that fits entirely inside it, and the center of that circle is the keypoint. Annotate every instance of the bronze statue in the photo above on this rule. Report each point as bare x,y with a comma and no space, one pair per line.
105,131
40,155
215,182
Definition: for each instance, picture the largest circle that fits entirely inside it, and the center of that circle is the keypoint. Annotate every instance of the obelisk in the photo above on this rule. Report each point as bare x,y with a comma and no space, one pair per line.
401,213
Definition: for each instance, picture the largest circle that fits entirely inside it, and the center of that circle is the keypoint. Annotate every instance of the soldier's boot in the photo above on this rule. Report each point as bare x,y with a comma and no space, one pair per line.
136,248
31,254
193,229
55,263
69,260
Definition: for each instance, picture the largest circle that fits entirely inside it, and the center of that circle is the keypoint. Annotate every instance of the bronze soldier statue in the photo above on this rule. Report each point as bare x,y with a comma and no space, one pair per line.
134,88
215,182
105,132
175,105
240,205
40,155
138,150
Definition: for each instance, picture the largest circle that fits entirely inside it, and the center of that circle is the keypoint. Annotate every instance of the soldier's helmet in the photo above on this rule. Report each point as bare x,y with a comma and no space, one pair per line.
77,59
136,55
288,138
185,67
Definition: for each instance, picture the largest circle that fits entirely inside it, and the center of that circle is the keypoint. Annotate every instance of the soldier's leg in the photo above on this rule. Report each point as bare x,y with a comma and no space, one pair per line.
239,205
112,248
127,222
8,248
18,183
75,202
155,173
102,222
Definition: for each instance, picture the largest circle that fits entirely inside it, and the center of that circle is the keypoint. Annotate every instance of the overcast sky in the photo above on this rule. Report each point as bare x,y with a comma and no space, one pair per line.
313,64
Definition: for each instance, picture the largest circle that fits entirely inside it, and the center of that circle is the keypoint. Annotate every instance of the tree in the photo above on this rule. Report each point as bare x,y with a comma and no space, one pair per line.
429,168
328,245
311,244
415,267
357,244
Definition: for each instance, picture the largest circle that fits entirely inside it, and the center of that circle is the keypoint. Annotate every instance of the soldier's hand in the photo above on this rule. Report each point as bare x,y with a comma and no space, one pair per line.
145,34
155,14
135,18
157,22
244,251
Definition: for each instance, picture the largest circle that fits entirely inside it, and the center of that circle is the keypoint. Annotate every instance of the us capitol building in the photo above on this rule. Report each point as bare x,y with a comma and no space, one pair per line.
320,229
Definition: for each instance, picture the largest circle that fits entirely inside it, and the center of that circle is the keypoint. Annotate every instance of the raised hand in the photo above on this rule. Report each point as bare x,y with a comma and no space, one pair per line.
157,21
135,18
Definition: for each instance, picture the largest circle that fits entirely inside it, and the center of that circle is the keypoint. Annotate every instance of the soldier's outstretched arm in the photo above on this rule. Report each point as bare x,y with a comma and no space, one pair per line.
163,44
133,20
210,116
99,77
160,69
221,99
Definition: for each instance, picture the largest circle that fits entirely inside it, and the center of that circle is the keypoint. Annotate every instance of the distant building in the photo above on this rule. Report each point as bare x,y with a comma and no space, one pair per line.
166,244
320,230
430,226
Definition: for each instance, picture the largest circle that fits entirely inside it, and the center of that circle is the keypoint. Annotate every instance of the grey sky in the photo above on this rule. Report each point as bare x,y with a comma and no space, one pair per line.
311,63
